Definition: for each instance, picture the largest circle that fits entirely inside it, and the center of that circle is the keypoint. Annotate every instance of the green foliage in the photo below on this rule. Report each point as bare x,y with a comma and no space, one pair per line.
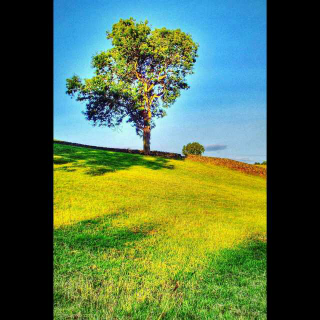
194,148
138,78
264,163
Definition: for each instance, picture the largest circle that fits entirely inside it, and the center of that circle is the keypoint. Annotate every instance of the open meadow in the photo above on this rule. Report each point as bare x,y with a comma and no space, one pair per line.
141,237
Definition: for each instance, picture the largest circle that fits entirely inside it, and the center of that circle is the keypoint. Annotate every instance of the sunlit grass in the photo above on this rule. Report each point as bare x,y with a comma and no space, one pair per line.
128,228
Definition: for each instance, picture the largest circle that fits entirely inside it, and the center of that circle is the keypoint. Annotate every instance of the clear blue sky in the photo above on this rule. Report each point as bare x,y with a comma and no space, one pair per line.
225,108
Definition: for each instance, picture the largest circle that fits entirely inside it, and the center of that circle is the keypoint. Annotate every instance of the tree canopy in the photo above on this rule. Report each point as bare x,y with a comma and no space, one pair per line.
194,148
138,78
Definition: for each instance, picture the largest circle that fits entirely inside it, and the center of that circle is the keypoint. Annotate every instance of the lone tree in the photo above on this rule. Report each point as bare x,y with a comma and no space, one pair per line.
138,78
194,148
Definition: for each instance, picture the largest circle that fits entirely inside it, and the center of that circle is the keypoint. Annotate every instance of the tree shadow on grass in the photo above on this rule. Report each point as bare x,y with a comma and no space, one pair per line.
99,162
233,284
98,235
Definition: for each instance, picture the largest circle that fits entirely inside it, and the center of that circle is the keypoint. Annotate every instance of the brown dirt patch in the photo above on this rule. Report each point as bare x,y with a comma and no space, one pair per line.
231,164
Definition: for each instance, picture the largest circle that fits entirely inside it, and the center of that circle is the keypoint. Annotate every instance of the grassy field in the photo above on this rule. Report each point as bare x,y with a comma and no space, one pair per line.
141,237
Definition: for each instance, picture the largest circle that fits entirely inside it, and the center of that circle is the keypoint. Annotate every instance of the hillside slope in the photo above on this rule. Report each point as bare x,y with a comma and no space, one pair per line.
255,170
153,224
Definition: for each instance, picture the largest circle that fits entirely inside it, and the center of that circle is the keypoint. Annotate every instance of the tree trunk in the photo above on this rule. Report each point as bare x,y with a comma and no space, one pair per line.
147,128
147,131
146,139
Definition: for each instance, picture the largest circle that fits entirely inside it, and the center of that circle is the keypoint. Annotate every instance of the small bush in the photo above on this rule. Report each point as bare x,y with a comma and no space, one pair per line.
194,148
262,163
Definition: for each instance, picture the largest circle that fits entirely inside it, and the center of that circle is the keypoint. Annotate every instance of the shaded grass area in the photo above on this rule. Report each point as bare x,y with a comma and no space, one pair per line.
232,287
168,155
142,239
99,162
94,266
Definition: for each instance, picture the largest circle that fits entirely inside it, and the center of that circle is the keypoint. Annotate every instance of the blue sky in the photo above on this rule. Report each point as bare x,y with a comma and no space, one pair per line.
225,108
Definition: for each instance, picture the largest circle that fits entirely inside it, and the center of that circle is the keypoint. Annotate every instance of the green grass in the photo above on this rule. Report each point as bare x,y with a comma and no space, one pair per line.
145,238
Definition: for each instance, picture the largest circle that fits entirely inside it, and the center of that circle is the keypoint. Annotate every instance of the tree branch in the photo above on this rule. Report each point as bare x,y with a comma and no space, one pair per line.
139,76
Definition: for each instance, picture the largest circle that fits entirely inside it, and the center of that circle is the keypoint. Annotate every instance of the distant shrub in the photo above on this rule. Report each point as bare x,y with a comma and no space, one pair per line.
194,148
262,163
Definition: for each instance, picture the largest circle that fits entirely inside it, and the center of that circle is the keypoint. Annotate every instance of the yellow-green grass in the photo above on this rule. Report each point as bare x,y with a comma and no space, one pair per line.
134,236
